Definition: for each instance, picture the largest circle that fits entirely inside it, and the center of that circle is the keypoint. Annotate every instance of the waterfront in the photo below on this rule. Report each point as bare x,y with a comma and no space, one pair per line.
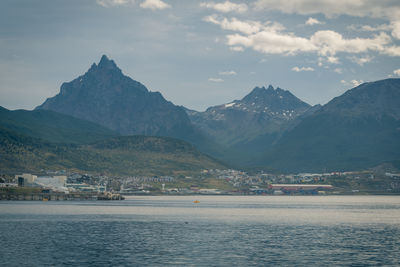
218,231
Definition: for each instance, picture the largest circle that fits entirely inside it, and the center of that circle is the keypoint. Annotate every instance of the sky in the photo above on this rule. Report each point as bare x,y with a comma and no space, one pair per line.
199,53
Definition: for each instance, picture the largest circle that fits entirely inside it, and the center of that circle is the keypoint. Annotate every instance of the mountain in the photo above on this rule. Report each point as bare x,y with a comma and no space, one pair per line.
104,95
251,125
356,130
124,155
52,126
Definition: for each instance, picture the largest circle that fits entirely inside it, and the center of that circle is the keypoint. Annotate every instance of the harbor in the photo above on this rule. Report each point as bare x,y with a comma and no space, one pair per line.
57,196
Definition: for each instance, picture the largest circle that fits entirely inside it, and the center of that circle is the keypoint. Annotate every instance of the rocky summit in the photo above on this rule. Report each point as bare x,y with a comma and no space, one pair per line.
106,96
253,123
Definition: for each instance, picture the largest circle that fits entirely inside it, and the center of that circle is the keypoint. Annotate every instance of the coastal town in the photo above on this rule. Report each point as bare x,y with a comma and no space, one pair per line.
63,185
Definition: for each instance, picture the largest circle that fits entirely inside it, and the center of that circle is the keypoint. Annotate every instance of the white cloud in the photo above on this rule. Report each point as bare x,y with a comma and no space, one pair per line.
356,83
331,42
332,60
111,3
215,80
396,29
393,51
332,8
231,72
312,21
269,38
154,4
226,7
243,26
369,28
389,10
397,72
361,60
297,69
272,42
234,24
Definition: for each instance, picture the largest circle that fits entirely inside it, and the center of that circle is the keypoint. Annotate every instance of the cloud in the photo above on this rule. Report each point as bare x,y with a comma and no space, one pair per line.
111,3
234,24
331,42
226,7
154,4
378,28
243,26
297,69
270,42
312,21
361,60
231,72
397,72
330,8
215,80
389,10
396,29
270,38
393,51
332,60
356,83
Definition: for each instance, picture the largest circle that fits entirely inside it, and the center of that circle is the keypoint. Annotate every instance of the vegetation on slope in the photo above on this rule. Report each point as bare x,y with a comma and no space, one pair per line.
129,155
52,126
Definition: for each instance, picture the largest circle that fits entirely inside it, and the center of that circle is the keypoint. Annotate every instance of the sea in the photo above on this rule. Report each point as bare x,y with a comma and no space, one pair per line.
215,231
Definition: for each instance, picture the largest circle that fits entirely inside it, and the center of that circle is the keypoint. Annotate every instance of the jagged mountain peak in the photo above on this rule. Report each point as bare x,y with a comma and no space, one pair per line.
105,65
106,96
260,116
269,94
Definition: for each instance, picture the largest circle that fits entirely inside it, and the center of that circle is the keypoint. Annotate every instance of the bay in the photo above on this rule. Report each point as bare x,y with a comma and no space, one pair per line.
217,231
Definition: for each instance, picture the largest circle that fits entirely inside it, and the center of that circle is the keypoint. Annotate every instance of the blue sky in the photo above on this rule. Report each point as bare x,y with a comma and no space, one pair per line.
199,53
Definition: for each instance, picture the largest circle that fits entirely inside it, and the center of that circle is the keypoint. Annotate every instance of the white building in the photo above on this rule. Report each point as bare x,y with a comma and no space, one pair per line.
28,178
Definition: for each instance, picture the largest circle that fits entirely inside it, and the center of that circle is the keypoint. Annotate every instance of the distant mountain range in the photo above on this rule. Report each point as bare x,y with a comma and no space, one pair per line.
268,128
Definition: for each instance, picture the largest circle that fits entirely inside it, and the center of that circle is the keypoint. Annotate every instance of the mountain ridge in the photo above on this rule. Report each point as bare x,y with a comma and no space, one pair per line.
359,129
52,126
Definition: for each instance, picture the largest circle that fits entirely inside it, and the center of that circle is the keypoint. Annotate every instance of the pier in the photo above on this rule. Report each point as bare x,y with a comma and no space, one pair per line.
53,196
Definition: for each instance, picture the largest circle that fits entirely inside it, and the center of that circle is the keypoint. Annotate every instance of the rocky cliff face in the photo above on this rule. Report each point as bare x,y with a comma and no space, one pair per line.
106,96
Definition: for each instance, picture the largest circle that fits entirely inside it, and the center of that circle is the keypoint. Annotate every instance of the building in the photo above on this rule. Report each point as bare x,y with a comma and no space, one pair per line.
25,179
300,188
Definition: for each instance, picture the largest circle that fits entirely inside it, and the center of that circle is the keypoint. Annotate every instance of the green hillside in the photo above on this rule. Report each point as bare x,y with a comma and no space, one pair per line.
52,126
128,155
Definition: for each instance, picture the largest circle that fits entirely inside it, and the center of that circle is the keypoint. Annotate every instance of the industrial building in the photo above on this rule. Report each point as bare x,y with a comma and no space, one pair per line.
300,188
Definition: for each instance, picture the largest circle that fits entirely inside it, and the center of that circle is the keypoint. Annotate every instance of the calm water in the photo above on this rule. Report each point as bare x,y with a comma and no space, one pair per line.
218,231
